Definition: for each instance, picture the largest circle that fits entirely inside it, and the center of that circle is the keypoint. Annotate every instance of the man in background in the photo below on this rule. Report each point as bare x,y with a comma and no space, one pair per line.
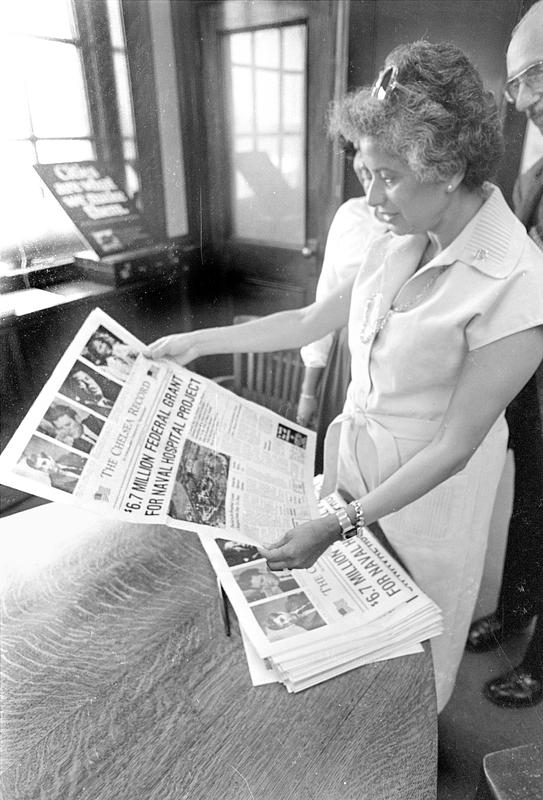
521,594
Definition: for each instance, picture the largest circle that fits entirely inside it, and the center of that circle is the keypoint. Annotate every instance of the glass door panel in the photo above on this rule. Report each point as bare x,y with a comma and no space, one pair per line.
267,102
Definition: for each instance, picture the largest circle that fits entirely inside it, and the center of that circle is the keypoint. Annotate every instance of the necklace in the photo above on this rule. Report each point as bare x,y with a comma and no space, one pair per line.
373,323
436,272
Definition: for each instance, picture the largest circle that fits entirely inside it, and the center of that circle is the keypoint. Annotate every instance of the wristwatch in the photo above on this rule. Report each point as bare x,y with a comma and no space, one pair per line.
348,528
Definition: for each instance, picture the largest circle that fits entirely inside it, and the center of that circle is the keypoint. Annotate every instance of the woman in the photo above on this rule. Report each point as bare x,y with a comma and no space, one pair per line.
445,326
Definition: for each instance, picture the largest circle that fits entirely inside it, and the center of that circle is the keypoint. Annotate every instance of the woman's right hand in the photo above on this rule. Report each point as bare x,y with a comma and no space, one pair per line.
180,346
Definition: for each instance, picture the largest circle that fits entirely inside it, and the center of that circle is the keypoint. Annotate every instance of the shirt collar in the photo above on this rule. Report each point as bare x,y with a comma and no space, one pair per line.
491,240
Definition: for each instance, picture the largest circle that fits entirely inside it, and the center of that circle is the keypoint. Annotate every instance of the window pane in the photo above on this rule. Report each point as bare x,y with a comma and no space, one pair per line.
122,83
116,28
242,191
293,164
56,89
32,218
242,93
50,151
267,101
243,143
49,234
294,47
19,179
14,123
268,160
39,17
240,48
267,48
266,207
270,145
293,102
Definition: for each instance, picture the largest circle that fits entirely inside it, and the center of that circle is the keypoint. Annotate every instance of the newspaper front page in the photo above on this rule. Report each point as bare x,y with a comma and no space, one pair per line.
152,442
355,605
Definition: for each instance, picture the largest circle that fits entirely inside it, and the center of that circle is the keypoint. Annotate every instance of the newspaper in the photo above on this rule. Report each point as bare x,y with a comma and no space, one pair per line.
355,605
152,442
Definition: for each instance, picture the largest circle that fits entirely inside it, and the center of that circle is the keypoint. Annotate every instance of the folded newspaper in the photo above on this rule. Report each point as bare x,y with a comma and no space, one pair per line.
149,441
354,606
152,442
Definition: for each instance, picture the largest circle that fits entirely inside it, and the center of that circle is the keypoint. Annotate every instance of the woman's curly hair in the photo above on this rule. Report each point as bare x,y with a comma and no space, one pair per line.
441,122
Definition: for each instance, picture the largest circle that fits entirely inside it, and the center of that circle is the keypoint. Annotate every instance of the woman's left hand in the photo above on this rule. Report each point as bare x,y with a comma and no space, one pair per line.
302,546
180,346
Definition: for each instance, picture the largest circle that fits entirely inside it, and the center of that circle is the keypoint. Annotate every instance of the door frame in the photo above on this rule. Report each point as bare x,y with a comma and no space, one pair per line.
327,45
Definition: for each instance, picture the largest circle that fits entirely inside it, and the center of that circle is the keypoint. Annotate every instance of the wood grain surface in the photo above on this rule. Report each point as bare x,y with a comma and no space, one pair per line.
118,683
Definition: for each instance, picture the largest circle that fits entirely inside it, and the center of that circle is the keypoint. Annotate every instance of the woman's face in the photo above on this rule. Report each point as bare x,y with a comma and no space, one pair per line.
400,199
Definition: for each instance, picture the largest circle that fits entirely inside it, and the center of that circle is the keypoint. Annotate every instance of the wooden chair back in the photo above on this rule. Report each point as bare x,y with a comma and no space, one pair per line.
272,380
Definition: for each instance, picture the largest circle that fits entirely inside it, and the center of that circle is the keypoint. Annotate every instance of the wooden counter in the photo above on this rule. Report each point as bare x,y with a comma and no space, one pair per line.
120,684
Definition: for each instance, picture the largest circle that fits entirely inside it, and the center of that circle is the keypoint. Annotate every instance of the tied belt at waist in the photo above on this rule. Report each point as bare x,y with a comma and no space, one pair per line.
384,430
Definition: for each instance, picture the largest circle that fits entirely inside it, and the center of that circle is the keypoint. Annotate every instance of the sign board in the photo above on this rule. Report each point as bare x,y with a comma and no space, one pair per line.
104,215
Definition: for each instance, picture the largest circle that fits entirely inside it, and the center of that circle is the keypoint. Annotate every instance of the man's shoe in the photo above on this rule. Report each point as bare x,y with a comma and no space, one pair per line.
518,688
487,633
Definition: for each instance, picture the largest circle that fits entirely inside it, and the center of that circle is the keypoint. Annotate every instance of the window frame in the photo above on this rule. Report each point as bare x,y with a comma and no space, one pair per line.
97,57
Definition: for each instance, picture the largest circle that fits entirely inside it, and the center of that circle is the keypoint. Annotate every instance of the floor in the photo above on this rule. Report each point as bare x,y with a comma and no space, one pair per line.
471,726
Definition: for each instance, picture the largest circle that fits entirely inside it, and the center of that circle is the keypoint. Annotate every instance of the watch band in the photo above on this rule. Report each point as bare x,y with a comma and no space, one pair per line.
348,529
360,521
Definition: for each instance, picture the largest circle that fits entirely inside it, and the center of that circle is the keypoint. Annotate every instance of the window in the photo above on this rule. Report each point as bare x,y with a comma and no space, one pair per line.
266,70
65,84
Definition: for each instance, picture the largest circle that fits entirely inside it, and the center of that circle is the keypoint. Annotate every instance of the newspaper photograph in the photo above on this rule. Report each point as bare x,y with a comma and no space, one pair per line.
152,442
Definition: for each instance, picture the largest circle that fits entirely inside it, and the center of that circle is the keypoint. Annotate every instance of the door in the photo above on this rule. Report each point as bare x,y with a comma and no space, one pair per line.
270,71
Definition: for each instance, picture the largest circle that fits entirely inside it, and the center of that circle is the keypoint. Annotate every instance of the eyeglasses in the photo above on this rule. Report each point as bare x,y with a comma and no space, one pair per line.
531,77
386,83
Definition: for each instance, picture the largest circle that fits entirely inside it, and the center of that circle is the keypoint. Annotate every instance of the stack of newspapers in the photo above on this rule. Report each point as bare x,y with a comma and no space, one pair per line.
356,605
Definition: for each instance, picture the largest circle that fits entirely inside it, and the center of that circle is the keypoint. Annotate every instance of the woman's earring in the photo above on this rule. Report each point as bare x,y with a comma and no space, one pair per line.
449,187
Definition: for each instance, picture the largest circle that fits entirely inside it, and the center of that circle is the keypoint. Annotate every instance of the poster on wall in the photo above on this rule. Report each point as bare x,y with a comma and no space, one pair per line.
102,212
